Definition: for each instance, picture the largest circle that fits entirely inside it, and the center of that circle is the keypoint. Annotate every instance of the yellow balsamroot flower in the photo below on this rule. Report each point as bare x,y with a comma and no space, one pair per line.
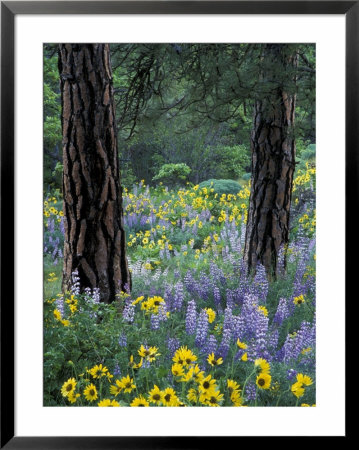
156,302
263,310
211,314
149,353
299,300
127,384
169,397
140,401
65,322
244,357
213,361
236,399
115,389
138,300
108,402
98,371
145,241
184,356
68,387
72,397
304,379
177,370
90,392
133,365
263,380
306,350
187,376
207,384
297,389
263,364
198,374
193,395
57,314
213,398
155,395
241,345
232,386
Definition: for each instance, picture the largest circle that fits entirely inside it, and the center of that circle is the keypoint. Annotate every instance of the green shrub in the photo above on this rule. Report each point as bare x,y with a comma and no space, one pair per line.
173,174
222,186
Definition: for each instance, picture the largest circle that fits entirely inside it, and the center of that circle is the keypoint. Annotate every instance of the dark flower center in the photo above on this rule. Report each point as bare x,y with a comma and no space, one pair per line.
128,385
180,361
168,397
261,382
206,384
156,397
213,400
141,404
92,392
299,302
69,387
188,361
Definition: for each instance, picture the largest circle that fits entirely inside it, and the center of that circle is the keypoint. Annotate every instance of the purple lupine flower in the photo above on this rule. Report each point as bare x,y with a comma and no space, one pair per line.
295,343
122,341
237,327
155,322
260,283
202,329
228,319
172,344
96,295
179,296
291,374
60,306
282,312
273,340
250,393
217,298
128,312
191,317
261,337
162,313
225,343
75,288
117,371
211,345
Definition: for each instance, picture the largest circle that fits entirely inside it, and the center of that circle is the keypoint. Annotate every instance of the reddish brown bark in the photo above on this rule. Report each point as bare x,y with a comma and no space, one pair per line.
94,233
273,164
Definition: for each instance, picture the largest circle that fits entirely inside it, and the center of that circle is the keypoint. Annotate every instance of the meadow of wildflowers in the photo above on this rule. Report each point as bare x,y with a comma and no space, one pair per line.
195,330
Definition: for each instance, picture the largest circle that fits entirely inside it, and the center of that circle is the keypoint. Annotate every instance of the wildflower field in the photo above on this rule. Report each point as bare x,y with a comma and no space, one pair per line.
194,330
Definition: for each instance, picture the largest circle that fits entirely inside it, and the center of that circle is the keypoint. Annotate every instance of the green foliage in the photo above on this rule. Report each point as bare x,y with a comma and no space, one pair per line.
231,161
173,174
222,186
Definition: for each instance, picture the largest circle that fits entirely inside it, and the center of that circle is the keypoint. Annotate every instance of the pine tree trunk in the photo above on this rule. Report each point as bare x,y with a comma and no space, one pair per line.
94,233
273,164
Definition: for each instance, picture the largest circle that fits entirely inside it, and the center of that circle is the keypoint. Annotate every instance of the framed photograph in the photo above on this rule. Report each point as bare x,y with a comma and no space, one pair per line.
176,185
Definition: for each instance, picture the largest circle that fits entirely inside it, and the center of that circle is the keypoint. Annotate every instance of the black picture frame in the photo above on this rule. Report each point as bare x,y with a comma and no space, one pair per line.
9,9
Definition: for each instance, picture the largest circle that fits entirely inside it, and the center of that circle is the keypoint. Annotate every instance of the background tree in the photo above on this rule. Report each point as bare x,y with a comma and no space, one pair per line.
94,235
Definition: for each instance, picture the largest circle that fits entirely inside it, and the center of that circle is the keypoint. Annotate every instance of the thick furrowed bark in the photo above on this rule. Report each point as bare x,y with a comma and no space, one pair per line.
94,233
273,164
